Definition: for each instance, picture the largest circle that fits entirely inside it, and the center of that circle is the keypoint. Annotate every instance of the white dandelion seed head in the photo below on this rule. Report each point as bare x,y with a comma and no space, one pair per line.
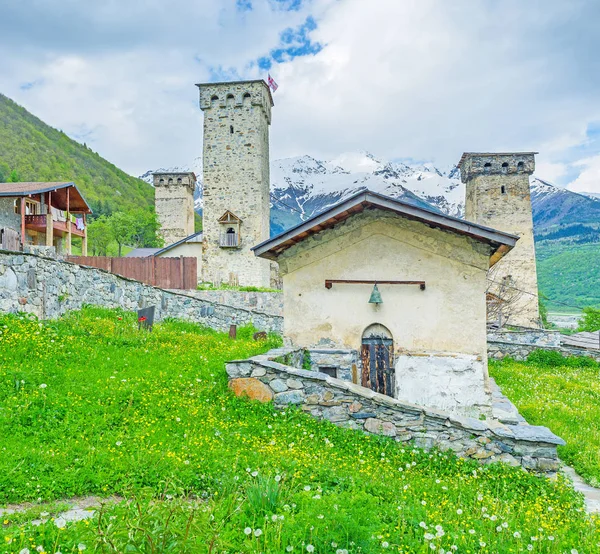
247,531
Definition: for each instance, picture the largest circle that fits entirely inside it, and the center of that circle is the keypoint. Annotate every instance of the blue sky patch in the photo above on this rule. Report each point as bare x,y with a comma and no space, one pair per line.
243,5
293,44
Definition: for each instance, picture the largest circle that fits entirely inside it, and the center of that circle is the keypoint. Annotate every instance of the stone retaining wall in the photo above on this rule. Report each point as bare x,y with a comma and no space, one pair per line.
498,350
270,303
352,406
48,288
539,337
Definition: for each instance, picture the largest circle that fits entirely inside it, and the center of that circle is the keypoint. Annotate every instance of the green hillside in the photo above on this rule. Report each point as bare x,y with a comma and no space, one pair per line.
38,152
569,274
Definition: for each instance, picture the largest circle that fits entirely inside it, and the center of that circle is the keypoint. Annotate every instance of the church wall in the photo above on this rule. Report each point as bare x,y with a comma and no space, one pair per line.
439,333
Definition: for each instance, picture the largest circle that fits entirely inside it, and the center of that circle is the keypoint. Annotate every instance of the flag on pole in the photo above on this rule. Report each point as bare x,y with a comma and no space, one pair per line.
272,84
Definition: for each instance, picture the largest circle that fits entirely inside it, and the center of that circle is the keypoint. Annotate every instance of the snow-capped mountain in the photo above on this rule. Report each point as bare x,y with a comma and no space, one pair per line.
304,186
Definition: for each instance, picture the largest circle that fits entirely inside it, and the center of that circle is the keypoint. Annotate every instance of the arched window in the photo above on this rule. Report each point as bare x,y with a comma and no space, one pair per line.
161,181
229,100
214,98
520,166
179,181
170,181
487,167
246,99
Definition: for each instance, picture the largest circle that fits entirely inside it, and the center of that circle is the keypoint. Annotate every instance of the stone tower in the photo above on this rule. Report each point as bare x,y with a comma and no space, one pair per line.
236,181
174,204
497,195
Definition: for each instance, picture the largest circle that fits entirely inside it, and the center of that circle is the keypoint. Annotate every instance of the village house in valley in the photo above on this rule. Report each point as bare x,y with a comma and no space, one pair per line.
392,296
42,214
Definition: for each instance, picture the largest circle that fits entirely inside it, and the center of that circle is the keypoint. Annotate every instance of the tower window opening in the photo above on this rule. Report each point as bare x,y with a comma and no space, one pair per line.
231,129
505,167
503,189
520,166
161,181
170,181
179,180
487,167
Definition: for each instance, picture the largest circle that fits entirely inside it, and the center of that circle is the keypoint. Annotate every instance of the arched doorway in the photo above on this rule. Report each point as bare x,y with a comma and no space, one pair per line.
377,358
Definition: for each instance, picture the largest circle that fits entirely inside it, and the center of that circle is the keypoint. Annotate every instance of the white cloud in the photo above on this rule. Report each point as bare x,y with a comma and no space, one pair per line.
423,79
589,178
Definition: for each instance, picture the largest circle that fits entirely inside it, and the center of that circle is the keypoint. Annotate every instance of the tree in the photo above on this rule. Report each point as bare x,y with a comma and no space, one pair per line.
122,226
4,172
590,320
14,176
99,235
145,229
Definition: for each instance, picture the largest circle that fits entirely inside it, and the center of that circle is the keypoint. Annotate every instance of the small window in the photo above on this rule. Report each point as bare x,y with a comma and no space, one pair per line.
503,189
520,166
161,181
170,181
214,98
487,167
329,370
231,129
179,181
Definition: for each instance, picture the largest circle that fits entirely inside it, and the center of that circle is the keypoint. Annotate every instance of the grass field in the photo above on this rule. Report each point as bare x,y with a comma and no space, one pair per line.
91,405
563,395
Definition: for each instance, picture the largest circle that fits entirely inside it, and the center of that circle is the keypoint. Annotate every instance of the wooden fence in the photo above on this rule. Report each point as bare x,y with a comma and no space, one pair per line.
166,273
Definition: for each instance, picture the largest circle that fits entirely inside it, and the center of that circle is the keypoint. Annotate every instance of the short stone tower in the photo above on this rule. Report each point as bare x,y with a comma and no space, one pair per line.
236,181
497,195
174,204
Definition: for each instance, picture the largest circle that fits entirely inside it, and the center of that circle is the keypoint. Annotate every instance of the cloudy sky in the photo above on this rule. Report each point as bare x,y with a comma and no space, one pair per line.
420,80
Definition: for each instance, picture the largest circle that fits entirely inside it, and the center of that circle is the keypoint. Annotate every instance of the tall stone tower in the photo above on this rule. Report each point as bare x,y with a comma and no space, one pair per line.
174,204
498,196
236,181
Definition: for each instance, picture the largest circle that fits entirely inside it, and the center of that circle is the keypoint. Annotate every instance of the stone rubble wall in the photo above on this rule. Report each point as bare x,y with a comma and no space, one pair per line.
538,337
267,302
351,406
497,350
48,288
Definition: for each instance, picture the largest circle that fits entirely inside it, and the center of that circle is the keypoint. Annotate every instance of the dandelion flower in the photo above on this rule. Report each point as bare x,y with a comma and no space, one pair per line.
289,548
429,537
81,547
254,473
60,522
24,551
43,386
310,548
459,511
257,532
247,531
277,478
385,544
517,535
307,488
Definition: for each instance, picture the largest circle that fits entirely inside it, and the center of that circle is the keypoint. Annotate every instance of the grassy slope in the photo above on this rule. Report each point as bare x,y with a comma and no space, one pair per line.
566,399
143,415
40,153
569,274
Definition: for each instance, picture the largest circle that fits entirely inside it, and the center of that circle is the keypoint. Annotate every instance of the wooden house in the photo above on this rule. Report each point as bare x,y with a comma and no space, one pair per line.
42,214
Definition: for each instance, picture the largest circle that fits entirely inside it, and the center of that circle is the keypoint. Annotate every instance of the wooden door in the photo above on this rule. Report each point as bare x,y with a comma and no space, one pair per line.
377,365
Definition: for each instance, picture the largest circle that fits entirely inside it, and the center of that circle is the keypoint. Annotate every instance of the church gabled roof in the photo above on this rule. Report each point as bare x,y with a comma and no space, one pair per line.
500,241
229,217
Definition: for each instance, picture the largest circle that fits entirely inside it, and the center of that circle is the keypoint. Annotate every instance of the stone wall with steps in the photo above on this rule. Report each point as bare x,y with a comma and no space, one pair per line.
351,406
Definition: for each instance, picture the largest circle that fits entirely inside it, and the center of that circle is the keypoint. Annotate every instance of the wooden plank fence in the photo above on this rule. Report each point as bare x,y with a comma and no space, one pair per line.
166,273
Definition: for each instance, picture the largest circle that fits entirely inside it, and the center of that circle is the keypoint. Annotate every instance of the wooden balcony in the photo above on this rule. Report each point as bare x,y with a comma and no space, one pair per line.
38,223
229,240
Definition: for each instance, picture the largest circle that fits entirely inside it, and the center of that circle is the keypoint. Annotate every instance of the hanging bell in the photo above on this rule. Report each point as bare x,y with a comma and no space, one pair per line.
375,296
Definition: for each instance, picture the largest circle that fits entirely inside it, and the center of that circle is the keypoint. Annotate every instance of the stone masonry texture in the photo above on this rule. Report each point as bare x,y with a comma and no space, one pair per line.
174,205
48,288
236,178
498,196
351,406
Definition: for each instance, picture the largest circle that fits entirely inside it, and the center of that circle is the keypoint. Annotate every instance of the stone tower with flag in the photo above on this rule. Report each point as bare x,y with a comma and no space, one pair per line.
236,182
497,195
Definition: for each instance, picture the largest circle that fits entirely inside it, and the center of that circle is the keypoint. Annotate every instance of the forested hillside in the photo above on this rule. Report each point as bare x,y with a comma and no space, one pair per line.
30,150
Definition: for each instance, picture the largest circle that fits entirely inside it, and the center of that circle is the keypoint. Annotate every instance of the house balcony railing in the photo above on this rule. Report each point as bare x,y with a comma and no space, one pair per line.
229,240
38,222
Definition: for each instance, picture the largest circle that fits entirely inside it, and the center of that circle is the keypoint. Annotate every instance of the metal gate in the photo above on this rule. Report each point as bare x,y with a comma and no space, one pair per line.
377,364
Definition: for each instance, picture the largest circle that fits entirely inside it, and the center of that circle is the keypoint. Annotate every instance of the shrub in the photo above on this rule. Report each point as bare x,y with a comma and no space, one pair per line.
591,320
552,358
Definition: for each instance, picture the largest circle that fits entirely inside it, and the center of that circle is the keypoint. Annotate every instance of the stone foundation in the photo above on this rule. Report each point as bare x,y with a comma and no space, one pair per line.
450,382
351,406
